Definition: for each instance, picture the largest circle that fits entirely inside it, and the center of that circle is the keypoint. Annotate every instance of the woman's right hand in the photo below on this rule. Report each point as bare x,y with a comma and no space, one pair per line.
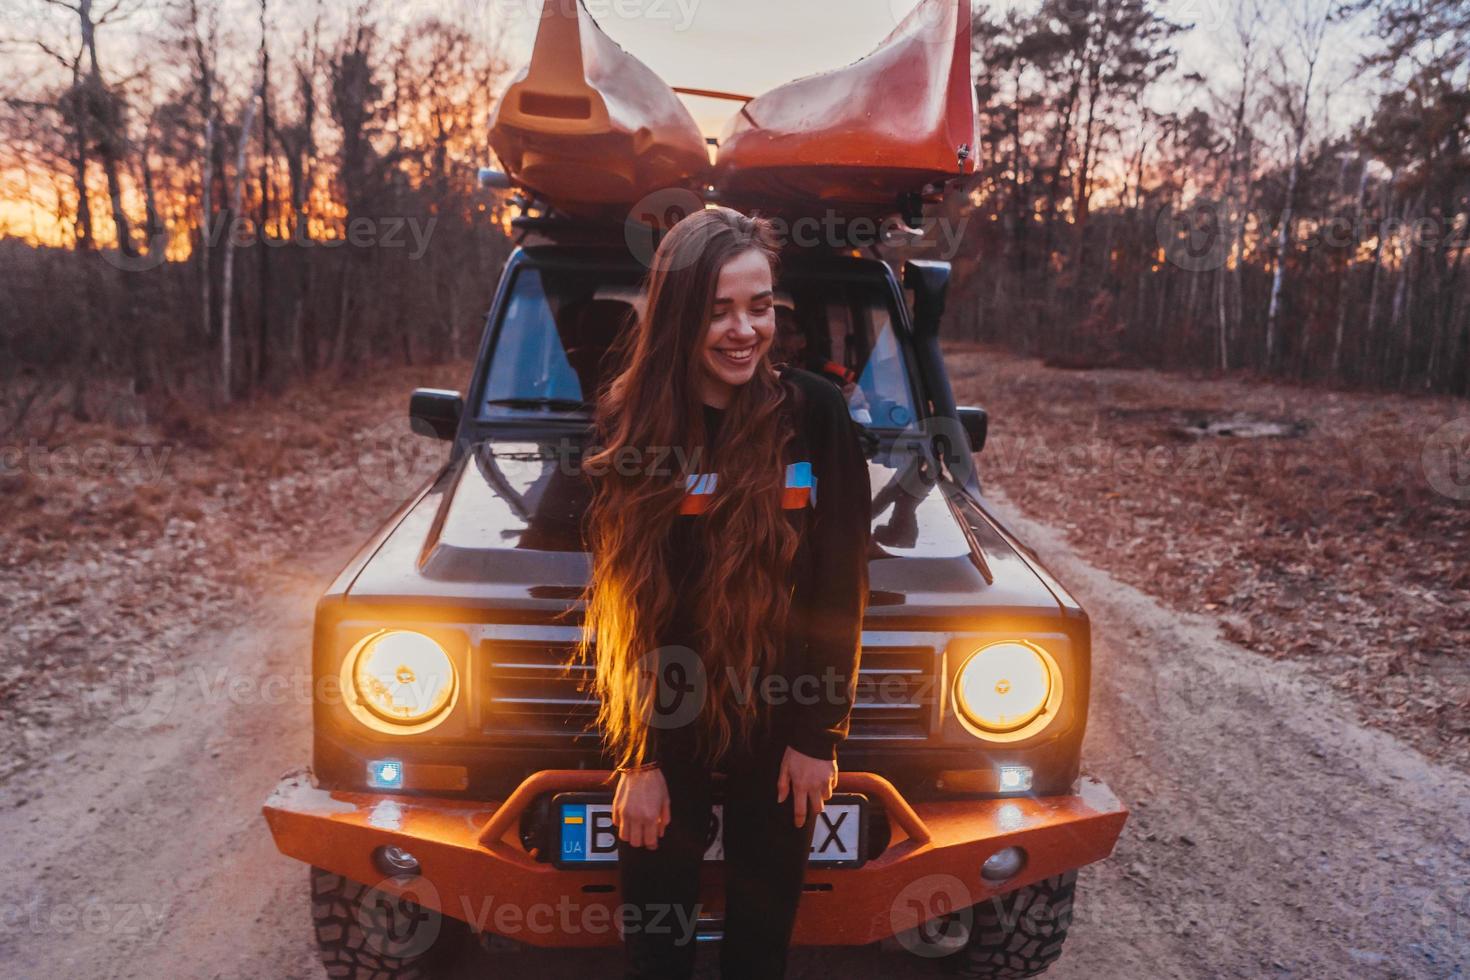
641,807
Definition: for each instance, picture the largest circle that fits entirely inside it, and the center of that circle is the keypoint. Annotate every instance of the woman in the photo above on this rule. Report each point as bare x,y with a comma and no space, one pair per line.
726,598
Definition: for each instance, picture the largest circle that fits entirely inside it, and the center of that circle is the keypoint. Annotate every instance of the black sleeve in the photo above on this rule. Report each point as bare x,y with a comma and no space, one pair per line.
839,536
670,744
669,740
660,749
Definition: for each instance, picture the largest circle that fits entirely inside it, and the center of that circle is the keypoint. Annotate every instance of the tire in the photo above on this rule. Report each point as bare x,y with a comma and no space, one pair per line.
1018,934
366,934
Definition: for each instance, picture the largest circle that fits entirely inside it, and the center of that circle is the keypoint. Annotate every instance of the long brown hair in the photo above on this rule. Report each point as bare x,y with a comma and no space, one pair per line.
651,403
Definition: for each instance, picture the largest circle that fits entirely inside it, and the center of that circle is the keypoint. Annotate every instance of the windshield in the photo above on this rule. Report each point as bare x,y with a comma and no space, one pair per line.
550,347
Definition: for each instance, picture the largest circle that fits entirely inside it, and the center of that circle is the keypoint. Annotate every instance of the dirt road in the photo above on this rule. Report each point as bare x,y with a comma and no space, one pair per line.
1271,834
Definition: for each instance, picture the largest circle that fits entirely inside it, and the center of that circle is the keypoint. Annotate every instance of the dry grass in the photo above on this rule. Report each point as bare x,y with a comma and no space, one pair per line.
1327,544
119,544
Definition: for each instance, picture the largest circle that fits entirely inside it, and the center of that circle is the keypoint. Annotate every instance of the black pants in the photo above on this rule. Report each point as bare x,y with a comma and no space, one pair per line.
765,862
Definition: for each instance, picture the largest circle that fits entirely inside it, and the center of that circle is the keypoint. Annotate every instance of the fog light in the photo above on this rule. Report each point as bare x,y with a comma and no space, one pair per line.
385,774
1015,779
395,862
1003,864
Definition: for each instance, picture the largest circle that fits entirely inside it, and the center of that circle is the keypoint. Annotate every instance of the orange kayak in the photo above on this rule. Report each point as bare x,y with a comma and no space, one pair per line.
856,139
590,128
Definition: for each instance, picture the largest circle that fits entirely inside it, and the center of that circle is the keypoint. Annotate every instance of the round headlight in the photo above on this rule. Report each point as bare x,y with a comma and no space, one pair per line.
403,677
1004,687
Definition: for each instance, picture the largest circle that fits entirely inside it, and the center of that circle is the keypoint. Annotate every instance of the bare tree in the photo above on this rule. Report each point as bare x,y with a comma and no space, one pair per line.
1247,23
228,276
103,106
298,144
197,24
262,340
71,107
1310,24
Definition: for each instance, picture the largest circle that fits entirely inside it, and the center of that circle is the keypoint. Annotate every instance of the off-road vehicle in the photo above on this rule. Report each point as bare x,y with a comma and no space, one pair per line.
456,772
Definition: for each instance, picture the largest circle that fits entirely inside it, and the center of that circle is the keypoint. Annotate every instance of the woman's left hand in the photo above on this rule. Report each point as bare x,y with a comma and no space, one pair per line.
809,781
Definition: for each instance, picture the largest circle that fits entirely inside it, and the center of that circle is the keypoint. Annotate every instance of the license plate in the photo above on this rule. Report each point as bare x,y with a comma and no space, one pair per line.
584,835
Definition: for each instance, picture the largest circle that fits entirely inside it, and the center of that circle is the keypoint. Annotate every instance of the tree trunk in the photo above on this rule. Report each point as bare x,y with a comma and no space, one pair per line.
1444,330
1404,302
1346,275
1396,316
1278,277
86,238
114,194
262,362
228,276
109,143
206,226
156,231
339,345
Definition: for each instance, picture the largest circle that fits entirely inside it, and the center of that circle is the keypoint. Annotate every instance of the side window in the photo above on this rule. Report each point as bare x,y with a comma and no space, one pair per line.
529,360
883,382
851,321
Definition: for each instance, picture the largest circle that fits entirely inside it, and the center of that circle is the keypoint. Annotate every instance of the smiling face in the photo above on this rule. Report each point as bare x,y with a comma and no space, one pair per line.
741,328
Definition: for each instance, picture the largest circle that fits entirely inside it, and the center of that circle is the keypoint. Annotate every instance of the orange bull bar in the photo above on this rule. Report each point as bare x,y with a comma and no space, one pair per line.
474,866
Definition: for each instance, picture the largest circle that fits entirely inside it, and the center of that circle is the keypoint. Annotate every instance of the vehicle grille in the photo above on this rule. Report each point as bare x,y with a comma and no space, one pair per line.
895,693
530,688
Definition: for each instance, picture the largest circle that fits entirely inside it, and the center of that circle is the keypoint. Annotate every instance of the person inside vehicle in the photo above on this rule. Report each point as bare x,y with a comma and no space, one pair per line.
791,347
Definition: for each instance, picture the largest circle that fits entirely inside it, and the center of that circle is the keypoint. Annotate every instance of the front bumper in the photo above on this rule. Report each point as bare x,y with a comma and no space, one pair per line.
475,868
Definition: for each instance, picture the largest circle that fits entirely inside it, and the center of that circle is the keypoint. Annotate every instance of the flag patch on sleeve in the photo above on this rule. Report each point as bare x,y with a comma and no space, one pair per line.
800,489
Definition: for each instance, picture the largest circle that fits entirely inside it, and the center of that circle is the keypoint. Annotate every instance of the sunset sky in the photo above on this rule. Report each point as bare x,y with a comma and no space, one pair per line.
739,46
742,46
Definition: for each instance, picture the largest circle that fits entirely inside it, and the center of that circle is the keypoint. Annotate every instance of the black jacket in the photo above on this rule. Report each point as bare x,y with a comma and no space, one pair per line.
829,577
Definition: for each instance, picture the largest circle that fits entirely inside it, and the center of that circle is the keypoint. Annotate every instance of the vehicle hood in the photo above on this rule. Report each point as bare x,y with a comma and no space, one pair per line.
499,530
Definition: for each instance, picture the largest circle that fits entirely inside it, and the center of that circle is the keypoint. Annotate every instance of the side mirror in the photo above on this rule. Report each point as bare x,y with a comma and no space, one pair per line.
435,412
976,422
930,282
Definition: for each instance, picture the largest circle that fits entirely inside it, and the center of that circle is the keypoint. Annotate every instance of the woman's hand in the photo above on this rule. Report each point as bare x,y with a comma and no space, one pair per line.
640,808
809,781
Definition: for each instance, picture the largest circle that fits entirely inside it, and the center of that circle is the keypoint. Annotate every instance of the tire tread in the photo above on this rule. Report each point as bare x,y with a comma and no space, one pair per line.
344,947
1019,934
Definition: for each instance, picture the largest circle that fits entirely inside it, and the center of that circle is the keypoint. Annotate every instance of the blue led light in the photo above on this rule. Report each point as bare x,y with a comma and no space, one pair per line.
385,774
1015,779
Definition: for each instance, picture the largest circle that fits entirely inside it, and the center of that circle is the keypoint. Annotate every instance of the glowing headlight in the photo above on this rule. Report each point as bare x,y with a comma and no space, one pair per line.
1004,687
402,677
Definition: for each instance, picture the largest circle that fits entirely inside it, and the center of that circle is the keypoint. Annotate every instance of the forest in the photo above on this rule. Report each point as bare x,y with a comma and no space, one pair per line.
1271,224
203,200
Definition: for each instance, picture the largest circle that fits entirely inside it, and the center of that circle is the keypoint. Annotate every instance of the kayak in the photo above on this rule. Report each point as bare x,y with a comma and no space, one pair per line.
590,128
858,139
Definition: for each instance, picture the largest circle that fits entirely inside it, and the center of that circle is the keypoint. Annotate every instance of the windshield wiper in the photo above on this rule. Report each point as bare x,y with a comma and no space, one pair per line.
547,404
